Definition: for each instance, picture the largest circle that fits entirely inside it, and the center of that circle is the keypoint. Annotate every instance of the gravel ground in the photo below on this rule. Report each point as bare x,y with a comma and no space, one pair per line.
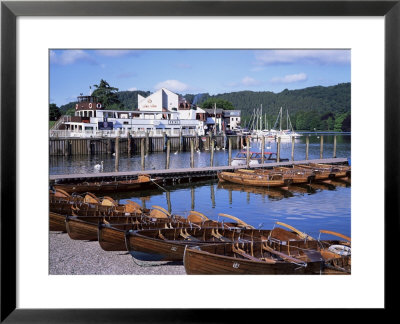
69,257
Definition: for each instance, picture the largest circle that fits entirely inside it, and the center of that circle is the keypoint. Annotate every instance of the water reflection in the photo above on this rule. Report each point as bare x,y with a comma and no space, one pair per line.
84,164
308,207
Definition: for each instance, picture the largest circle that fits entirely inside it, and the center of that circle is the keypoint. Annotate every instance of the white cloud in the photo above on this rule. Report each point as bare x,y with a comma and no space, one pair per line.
67,57
303,56
248,81
173,85
290,78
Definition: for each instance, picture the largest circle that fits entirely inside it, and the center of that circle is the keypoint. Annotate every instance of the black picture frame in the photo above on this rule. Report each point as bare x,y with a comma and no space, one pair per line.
10,10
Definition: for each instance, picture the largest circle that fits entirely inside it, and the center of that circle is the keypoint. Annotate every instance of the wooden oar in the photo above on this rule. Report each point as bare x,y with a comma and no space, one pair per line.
195,216
162,209
336,234
283,255
300,233
236,219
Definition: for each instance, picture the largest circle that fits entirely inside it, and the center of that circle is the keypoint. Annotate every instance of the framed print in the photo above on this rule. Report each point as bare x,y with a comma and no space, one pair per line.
30,32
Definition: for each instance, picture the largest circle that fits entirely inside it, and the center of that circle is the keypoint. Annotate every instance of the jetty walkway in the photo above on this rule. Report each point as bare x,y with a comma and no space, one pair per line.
183,174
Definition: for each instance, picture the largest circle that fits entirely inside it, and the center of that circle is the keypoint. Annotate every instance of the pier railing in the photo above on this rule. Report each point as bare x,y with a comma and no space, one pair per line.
57,133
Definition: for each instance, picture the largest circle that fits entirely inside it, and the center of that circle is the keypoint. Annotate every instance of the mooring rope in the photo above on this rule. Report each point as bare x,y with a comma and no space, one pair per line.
158,185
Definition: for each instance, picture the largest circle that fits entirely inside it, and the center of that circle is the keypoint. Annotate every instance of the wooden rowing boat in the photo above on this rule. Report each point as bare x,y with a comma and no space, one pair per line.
169,244
327,171
142,182
270,180
268,257
290,175
111,237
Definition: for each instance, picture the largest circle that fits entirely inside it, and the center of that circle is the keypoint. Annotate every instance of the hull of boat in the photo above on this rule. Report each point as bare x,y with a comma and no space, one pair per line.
57,222
81,230
169,244
111,238
252,181
202,263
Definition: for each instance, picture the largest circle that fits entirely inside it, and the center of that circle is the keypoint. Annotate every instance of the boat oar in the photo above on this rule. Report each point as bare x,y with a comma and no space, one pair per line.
284,256
162,209
300,233
336,234
236,219
195,216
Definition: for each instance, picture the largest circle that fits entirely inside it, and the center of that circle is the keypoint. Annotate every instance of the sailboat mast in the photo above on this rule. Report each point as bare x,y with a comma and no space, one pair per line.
280,121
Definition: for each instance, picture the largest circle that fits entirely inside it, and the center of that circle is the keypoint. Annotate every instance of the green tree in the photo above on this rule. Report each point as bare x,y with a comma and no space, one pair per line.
54,112
220,103
107,95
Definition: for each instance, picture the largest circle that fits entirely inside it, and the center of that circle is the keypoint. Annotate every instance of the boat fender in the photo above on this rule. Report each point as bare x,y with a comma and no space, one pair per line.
340,249
90,105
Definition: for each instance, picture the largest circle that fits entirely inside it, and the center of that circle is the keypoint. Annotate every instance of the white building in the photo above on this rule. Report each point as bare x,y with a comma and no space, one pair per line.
161,112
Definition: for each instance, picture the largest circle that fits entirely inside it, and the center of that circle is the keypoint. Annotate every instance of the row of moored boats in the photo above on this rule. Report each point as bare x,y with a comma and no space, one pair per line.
285,176
204,245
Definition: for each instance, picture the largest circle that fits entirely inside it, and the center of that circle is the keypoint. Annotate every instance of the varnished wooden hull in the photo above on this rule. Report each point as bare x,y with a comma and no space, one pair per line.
169,244
197,262
112,237
81,230
57,222
250,180
222,259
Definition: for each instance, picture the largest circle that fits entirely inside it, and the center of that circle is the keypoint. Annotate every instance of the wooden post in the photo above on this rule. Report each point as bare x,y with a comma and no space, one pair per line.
212,196
210,142
165,141
168,153
248,151
307,146
117,153
180,141
230,196
334,146
191,153
109,145
278,153
142,153
241,142
147,142
229,151
262,149
129,143
293,148
237,141
321,147
192,197
168,196
212,153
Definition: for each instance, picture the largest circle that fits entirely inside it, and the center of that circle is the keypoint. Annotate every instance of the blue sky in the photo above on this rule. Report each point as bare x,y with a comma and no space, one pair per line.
194,71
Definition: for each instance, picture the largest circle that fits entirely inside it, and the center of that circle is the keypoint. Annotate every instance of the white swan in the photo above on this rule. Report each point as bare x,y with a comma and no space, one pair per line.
99,166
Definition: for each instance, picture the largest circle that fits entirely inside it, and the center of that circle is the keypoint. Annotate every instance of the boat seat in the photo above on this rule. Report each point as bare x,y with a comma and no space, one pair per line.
187,236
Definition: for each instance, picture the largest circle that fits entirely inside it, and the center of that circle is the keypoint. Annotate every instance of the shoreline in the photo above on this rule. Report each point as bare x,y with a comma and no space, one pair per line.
74,257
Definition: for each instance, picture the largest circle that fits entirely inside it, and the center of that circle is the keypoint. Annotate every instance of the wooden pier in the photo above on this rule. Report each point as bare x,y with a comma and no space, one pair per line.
133,145
178,175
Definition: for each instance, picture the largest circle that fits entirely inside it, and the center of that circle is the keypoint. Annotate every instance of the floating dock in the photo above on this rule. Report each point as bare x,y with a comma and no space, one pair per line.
178,175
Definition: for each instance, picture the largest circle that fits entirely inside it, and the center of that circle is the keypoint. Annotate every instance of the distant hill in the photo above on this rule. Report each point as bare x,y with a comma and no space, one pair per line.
322,108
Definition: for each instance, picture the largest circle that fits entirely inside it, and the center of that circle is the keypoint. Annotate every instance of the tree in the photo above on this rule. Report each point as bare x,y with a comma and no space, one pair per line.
107,95
220,103
54,112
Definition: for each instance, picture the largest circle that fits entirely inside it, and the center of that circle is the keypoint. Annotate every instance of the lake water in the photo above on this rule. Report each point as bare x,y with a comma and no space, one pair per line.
306,208
84,164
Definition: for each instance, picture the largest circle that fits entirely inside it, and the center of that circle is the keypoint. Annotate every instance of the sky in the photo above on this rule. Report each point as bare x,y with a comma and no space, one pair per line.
74,71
